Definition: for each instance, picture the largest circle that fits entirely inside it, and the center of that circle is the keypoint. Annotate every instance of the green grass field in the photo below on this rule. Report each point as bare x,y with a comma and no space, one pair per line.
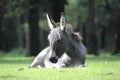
103,67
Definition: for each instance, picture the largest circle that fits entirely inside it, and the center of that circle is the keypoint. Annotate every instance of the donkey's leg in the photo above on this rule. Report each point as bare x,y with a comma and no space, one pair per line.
63,61
59,65
39,60
82,65
48,64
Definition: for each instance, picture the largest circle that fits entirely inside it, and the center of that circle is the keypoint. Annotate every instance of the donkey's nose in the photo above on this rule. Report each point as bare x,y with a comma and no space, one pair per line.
53,59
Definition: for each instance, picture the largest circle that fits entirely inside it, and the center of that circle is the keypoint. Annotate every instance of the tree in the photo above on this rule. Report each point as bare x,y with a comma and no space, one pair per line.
58,6
103,36
33,45
9,11
8,33
92,44
7,27
0,24
116,47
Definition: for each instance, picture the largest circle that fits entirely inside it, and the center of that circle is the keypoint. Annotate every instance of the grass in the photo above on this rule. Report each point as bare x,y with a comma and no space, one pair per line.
103,67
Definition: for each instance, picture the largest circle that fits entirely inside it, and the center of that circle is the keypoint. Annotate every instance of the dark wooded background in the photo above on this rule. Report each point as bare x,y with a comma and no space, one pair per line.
23,23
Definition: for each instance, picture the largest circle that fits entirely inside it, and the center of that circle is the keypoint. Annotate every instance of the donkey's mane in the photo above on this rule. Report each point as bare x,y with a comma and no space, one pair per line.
76,35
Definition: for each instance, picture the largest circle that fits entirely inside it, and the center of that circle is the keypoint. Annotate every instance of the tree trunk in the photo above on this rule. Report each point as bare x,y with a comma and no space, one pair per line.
43,38
92,38
81,28
116,48
57,8
20,32
8,33
1,24
33,45
103,36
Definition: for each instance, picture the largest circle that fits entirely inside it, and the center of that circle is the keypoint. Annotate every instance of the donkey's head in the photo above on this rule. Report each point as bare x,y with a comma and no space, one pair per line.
58,37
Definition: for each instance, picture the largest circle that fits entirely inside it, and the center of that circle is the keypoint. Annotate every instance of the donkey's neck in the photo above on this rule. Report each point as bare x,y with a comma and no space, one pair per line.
73,50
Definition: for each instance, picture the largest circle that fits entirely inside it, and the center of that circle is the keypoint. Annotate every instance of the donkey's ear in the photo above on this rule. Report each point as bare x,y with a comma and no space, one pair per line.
76,36
49,22
62,22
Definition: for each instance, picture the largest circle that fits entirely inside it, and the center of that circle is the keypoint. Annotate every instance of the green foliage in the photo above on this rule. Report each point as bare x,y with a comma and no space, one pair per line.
75,9
43,23
103,67
12,8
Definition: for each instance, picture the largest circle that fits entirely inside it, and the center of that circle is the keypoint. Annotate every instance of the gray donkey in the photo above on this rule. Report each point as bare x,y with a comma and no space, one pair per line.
65,47
69,52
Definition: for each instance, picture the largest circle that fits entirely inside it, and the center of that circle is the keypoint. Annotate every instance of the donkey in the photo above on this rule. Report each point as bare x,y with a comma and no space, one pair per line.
65,47
43,59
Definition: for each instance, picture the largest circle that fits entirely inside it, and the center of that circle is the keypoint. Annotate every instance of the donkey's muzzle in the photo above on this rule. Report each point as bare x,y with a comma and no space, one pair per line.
54,59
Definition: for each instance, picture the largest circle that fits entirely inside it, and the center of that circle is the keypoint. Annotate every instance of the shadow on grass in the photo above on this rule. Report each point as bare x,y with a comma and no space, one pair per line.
15,61
103,58
7,76
4,77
